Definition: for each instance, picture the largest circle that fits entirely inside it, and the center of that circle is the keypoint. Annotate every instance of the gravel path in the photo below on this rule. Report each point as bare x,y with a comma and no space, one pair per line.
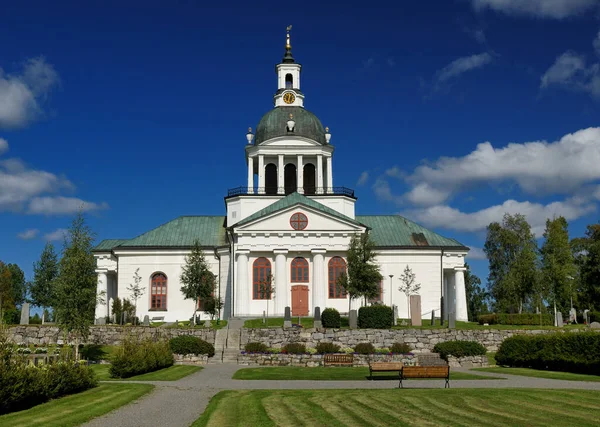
180,403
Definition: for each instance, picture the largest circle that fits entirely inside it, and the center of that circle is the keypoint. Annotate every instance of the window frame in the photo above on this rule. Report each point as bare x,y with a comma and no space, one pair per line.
260,265
164,289
337,265
299,270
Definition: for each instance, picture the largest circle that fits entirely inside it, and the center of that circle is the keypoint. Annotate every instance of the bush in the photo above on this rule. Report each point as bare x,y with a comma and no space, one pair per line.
568,352
375,317
364,348
256,347
330,318
516,319
188,344
459,349
138,357
294,348
327,347
400,348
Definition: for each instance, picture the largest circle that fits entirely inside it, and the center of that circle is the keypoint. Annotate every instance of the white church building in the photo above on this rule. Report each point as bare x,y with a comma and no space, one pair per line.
289,220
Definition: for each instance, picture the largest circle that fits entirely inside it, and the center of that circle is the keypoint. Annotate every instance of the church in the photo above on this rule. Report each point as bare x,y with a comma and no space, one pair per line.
290,220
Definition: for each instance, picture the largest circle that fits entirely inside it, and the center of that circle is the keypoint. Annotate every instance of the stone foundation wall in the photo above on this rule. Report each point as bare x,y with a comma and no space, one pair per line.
313,360
110,335
468,362
191,359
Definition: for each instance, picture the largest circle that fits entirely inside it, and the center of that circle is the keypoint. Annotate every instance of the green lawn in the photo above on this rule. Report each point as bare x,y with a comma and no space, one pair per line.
453,407
331,374
307,322
78,408
553,375
172,373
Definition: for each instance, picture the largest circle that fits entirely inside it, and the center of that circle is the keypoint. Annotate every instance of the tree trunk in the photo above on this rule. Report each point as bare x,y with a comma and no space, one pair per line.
77,347
43,314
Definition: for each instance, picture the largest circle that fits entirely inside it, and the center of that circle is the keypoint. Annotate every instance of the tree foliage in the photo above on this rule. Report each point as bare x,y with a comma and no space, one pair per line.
362,277
476,296
409,285
197,281
136,291
586,253
45,271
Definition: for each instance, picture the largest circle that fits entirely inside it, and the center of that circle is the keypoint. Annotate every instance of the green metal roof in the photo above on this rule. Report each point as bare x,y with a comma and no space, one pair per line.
107,245
183,232
291,200
397,231
274,124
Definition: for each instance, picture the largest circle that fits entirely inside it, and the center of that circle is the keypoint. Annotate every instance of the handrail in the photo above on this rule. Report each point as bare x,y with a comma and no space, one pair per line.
279,191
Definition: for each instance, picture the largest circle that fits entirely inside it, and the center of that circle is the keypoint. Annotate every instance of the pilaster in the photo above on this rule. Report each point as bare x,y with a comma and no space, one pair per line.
281,288
319,284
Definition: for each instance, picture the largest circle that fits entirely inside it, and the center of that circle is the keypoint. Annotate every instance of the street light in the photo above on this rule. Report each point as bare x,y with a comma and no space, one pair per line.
391,288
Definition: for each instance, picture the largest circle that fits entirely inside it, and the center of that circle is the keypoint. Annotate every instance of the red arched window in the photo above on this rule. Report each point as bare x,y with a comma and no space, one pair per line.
299,270
158,292
261,273
337,266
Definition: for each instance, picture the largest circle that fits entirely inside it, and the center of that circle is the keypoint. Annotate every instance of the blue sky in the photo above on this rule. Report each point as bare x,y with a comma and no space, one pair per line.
449,112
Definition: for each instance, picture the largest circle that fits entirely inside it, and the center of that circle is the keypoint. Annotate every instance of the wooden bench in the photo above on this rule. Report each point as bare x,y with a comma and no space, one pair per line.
426,372
338,360
385,367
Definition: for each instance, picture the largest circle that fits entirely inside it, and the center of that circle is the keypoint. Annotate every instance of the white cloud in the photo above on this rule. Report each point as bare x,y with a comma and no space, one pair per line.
62,205
424,195
570,71
58,234
596,43
384,192
476,253
479,36
395,172
21,94
28,234
3,146
364,177
557,9
462,65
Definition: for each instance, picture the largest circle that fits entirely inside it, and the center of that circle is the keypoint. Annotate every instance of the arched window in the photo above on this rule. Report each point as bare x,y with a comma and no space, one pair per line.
337,266
309,179
158,292
261,275
291,182
299,270
289,81
271,179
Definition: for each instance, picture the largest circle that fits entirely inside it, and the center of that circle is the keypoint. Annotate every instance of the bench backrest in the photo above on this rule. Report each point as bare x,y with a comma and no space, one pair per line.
386,365
425,371
339,358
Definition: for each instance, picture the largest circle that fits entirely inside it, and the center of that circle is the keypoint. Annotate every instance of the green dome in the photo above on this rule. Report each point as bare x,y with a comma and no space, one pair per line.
274,124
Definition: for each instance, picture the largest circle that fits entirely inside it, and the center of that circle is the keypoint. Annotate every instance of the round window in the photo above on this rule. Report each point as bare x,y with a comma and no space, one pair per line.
299,221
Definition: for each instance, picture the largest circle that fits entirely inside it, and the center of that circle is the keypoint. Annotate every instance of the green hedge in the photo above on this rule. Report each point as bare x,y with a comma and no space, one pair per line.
364,348
459,349
330,318
400,348
516,319
568,352
138,357
294,348
188,344
327,347
256,347
375,317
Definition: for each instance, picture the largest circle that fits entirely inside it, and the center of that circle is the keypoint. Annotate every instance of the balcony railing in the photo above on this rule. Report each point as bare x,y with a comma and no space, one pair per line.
276,191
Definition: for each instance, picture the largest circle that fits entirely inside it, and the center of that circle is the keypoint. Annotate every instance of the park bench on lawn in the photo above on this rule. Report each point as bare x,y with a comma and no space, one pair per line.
385,367
338,360
425,372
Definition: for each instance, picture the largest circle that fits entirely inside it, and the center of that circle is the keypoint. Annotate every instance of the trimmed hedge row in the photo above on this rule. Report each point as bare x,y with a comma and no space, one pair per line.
330,318
568,352
188,344
138,357
459,349
375,317
515,319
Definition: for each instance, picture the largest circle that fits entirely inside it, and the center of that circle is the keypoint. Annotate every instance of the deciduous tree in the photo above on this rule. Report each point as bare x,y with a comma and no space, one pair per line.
409,285
136,291
45,271
198,282
476,296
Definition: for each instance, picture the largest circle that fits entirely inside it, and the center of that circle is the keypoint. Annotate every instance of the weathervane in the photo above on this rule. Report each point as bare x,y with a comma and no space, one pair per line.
288,29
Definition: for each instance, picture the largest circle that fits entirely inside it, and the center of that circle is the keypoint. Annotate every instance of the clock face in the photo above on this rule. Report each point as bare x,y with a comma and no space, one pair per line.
289,98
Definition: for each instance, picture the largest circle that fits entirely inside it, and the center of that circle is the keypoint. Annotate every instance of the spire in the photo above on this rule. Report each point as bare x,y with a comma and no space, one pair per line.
288,58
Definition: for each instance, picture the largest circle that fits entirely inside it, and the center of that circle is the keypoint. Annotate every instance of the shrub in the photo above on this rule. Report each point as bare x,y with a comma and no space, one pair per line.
400,348
516,319
188,344
294,348
138,357
375,317
330,318
364,348
568,352
327,347
256,347
459,349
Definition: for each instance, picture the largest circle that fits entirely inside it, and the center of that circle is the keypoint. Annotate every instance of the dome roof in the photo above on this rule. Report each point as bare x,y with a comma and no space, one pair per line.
274,124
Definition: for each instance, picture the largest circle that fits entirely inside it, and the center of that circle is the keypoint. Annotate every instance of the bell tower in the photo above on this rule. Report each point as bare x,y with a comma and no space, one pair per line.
288,79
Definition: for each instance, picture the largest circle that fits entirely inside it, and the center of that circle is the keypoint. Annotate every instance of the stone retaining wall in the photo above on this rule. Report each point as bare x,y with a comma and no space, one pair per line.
468,362
191,359
313,360
110,335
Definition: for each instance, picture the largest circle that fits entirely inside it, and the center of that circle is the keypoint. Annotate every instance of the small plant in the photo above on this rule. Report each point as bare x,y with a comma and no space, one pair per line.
327,347
187,344
136,357
330,318
256,347
459,349
400,348
375,317
364,348
294,348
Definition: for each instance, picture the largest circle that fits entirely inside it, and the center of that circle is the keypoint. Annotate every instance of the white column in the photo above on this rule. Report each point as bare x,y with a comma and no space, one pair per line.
461,294
280,175
281,288
243,288
451,294
261,174
250,175
300,173
319,284
102,291
329,176
320,173
446,297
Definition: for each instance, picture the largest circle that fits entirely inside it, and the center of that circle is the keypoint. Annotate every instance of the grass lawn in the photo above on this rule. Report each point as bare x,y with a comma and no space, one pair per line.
307,322
329,374
78,408
553,375
172,373
464,407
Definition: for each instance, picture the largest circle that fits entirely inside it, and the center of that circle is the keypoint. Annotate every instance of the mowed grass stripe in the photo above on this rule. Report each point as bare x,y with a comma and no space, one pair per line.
496,413
548,405
225,411
456,405
279,412
382,416
254,412
402,418
425,410
347,415
300,411
555,397
305,410
409,410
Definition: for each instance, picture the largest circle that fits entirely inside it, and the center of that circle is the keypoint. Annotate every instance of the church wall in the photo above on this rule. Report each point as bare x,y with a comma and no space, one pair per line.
343,205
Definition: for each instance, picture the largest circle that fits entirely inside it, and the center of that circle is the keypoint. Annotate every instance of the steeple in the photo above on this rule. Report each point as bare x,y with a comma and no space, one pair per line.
288,78
288,58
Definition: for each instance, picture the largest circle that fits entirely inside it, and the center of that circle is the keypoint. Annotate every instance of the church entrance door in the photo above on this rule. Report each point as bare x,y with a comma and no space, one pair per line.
300,300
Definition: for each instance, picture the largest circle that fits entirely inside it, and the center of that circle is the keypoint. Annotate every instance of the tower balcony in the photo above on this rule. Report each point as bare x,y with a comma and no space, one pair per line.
281,191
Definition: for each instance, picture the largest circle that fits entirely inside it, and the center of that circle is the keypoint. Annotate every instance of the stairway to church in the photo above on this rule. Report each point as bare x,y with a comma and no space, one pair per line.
227,343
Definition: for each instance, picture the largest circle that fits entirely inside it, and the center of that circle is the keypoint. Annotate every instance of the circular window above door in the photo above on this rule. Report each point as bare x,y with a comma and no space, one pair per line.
298,221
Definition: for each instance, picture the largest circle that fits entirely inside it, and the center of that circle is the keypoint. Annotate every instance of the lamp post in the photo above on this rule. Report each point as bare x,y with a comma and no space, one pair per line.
391,288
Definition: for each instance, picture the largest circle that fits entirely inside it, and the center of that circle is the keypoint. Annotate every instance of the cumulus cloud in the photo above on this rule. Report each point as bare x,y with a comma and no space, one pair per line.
364,177
555,9
22,94
58,234
61,205
28,234
476,253
424,194
570,71
462,65
384,192
395,172
3,146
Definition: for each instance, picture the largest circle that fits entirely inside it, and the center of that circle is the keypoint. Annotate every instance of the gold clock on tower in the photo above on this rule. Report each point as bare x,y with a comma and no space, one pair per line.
289,98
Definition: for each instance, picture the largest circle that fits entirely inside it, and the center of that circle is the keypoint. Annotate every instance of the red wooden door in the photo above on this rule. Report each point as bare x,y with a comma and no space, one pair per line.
300,300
